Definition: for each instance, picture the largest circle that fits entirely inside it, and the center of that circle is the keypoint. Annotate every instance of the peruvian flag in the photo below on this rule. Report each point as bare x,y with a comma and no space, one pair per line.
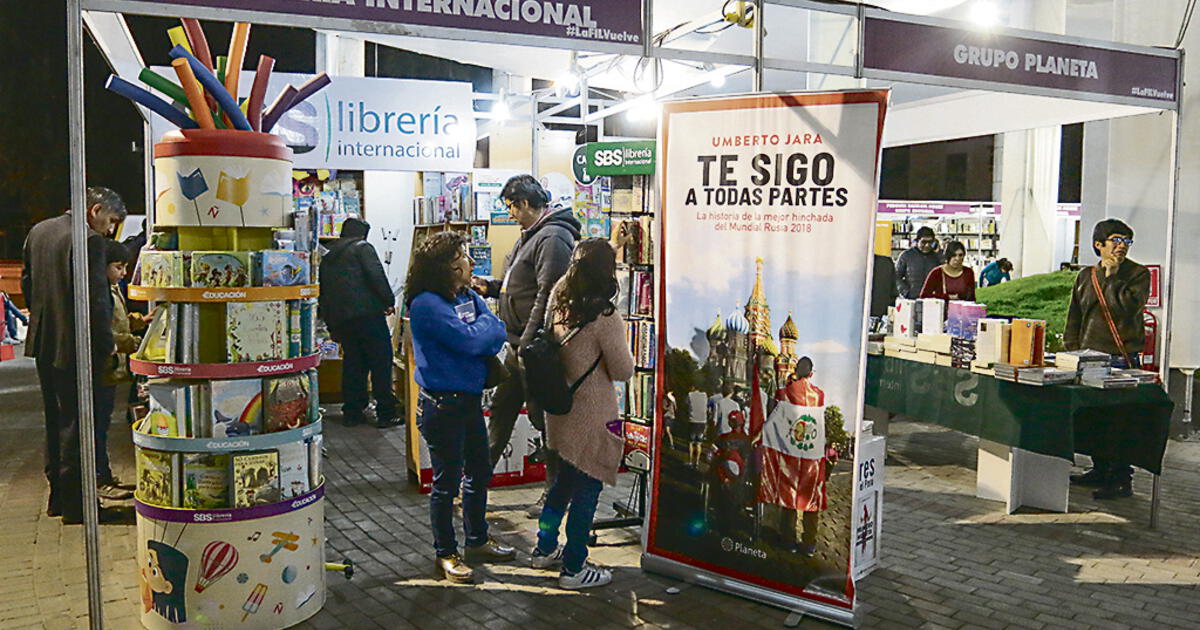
792,454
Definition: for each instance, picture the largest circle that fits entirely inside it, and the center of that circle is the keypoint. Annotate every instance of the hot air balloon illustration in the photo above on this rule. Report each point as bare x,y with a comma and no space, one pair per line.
216,560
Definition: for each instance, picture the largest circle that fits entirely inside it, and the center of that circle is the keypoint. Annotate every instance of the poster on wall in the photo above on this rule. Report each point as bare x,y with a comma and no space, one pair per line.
370,124
768,211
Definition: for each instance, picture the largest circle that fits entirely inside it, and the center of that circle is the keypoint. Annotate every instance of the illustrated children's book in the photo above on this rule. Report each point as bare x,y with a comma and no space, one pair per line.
220,269
236,408
287,403
169,406
256,331
158,477
255,478
281,268
162,269
154,343
293,469
205,481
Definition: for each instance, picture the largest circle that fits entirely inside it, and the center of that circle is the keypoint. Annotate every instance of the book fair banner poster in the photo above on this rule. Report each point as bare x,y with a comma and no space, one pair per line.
768,211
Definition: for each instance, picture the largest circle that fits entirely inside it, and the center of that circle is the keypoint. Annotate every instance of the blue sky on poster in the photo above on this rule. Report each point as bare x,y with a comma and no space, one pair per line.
818,276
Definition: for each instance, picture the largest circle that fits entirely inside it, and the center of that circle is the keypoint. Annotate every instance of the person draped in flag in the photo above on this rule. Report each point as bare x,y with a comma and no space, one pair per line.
792,456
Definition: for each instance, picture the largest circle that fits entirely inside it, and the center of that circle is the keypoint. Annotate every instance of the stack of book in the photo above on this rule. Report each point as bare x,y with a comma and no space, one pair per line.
962,352
447,197
1006,371
1109,381
1144,377
1082,360
1044,376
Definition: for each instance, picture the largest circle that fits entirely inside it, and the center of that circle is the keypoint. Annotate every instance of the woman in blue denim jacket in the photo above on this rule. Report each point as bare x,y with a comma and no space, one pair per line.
454,334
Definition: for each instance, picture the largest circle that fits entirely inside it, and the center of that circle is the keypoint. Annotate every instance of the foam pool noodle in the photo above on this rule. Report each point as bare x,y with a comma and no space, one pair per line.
281,105
214,87
310,87
199,44
236,57
195,97
162,84
179,37
259,91
140,96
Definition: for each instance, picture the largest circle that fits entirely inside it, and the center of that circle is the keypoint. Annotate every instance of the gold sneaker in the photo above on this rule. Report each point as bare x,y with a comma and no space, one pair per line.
491,550
454,569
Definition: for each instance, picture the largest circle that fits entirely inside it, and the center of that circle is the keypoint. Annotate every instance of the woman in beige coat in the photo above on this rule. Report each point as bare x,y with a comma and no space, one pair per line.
588,438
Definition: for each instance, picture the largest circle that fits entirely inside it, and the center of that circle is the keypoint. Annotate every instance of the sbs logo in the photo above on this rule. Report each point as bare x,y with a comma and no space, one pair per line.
609,157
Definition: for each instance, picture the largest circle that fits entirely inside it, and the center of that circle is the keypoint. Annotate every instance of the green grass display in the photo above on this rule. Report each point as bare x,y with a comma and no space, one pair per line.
1043,296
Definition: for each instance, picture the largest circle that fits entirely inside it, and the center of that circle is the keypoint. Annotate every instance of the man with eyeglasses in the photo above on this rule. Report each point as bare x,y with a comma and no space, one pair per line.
1106,315
916,262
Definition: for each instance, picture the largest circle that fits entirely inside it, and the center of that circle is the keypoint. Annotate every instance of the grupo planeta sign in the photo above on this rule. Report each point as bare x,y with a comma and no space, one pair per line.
941,51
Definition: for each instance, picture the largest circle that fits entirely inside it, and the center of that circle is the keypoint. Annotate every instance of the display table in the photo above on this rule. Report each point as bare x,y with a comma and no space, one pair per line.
1129,425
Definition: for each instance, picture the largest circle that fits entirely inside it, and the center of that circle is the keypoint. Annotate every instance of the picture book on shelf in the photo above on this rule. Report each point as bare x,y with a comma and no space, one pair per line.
154,343
254,478
281,268
169,406
205,481
255,331
157,475
287,403
162,269
236,408
220,269
293,469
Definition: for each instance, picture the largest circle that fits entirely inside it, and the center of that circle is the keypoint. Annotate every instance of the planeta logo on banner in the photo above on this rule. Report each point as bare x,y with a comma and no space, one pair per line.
634,157
372,124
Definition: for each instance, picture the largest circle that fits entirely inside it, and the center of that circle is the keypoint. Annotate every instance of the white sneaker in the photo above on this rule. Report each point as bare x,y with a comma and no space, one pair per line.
550,561
589,577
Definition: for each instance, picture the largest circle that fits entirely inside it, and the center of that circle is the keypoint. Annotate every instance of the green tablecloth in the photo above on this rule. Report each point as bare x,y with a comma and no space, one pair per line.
1125,425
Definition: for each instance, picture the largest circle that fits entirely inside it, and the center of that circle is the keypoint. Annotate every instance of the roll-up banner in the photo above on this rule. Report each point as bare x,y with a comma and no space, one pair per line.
768,214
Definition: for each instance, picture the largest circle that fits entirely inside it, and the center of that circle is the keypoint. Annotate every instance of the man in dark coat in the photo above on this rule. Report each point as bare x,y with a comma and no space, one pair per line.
916,262
539,258
883,285
1126,287
48,284
355,301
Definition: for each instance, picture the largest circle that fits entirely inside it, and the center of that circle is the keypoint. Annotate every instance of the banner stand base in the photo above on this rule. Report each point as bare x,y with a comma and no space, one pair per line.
655,564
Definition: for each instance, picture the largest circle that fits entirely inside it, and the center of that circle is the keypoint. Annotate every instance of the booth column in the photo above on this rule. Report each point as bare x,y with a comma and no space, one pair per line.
1028,163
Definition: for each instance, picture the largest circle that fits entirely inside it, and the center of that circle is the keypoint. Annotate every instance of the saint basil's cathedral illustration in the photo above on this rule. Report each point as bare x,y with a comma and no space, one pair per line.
735,342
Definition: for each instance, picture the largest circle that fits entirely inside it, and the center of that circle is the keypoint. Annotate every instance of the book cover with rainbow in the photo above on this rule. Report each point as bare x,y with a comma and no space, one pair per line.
237,407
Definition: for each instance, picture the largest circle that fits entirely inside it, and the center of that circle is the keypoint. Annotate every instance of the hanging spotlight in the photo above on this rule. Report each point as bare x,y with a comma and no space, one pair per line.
500,110
715,78
985,13
642,108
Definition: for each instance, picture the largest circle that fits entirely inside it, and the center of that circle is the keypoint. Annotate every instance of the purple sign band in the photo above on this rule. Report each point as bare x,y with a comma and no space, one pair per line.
180,515
612,21
997,58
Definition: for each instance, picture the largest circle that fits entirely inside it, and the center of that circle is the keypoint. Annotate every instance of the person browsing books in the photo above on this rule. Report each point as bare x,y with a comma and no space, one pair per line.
996,272
587,438
48,286
539,258
453,335
355,301
1106,315
951,280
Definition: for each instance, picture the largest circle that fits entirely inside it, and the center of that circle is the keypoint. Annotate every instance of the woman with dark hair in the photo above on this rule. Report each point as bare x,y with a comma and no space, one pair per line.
951,280
453,335
588,438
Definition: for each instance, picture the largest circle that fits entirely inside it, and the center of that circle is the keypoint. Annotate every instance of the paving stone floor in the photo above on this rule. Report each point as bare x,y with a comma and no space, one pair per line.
950,560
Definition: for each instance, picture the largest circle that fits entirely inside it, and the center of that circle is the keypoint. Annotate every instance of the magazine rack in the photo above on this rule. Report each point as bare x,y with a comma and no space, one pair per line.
256,553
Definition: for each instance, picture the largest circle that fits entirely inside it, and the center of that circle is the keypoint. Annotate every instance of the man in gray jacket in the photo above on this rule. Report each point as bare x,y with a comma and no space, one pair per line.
916,263
539,258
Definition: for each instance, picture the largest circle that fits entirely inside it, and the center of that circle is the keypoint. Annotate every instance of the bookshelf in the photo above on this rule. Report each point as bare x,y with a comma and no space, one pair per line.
230,496
975,225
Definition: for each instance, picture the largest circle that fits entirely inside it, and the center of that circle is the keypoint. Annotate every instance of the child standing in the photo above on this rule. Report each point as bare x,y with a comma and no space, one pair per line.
115,372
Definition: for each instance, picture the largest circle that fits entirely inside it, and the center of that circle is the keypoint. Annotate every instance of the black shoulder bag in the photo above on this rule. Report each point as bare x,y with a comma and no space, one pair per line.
545,374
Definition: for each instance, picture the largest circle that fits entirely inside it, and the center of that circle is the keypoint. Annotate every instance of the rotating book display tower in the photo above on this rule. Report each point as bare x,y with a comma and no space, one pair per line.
230,509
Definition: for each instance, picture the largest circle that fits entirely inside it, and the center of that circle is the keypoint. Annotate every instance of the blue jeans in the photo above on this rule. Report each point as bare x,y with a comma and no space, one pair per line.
575,495
452,425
